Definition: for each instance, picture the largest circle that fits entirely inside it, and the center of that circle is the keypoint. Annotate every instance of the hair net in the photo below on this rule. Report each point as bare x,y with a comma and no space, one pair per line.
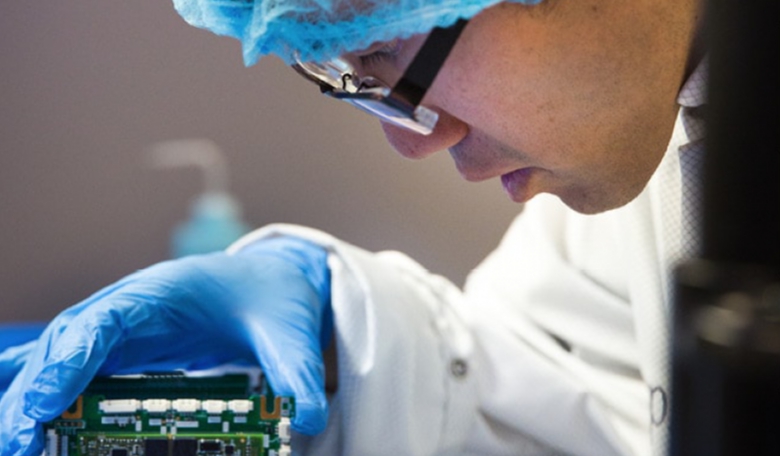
319,30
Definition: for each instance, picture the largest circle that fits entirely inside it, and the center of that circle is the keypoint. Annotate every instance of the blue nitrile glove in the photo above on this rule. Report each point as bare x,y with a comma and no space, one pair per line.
11,361
16,342
269,303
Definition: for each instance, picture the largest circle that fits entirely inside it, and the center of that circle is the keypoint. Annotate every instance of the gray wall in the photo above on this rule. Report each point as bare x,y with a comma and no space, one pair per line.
86,85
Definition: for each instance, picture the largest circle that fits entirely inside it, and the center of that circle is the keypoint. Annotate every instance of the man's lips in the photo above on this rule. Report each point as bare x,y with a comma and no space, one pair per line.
517,184
476,173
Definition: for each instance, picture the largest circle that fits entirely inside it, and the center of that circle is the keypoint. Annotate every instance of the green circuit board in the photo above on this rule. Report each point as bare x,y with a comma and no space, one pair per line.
173,415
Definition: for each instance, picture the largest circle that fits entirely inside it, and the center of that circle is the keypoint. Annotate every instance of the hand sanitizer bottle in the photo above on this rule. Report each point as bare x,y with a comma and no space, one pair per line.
215,215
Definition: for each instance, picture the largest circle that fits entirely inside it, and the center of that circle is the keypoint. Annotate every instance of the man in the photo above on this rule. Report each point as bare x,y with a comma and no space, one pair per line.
558,343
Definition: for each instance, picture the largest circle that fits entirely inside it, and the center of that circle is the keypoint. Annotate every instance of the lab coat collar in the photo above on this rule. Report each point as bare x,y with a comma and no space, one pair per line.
694,92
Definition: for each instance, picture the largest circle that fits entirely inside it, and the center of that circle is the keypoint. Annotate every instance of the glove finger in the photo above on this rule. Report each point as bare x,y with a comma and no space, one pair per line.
77,353
25,438
134,330
294,368
12,358
19,434
290,356
11,362
33,353
290,351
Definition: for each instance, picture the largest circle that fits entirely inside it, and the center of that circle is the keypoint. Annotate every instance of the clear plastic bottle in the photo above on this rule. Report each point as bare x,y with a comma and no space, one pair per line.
215,219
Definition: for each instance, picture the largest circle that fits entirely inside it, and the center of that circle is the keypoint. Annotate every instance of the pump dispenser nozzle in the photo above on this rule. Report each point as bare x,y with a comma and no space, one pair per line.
215,216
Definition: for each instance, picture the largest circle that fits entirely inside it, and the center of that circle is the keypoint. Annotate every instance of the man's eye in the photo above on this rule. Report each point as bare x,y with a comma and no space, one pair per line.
386,53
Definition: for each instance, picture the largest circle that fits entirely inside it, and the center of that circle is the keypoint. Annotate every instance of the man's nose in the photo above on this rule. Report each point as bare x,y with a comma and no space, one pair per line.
449,131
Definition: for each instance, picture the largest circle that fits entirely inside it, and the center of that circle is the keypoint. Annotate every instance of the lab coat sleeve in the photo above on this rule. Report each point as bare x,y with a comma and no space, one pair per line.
405,356
427,370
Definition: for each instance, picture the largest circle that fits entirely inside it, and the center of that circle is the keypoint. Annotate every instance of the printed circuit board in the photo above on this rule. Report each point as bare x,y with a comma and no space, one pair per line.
174,415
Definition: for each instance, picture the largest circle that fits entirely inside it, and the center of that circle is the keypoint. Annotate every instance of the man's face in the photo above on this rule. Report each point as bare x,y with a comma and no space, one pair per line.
576,98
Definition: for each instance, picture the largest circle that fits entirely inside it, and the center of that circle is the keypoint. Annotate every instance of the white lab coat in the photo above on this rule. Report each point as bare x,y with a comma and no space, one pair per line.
557,345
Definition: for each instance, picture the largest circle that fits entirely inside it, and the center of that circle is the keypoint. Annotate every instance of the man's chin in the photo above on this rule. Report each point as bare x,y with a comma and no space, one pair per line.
590,203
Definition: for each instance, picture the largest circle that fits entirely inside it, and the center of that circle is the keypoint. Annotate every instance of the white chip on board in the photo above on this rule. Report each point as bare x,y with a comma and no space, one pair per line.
119,405
284,430
241,406
213,406
156,405
186,405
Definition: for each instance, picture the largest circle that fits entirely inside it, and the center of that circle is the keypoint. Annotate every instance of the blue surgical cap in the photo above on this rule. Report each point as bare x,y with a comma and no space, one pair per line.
319,30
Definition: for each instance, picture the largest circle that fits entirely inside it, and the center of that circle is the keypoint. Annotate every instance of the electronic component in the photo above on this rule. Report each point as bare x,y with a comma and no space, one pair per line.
240,406
119,406
212,406
173,415
186,405
156,405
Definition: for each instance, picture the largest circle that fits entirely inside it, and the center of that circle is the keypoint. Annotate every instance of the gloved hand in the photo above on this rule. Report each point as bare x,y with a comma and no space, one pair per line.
11,361
16,343
268,303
